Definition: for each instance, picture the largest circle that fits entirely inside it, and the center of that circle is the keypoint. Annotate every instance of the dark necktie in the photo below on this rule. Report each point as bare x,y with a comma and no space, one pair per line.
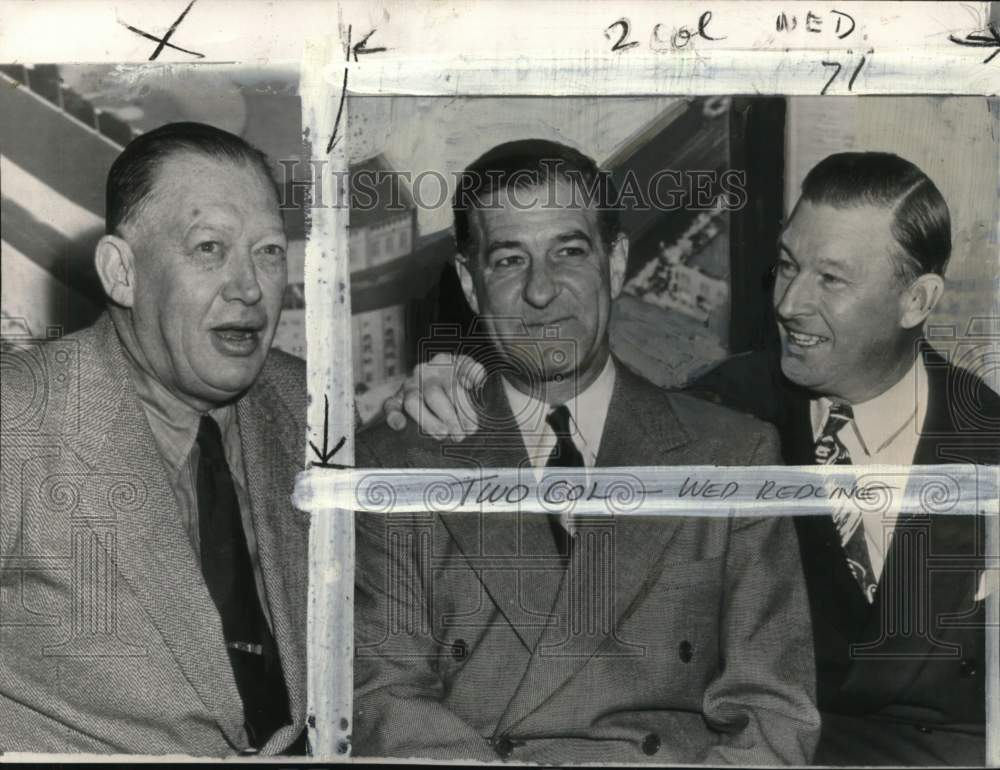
848,521
564,455
228,572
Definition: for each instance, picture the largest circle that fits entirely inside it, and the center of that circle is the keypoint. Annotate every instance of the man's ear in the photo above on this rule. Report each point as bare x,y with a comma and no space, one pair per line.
115,264
617,261
919,299
468,285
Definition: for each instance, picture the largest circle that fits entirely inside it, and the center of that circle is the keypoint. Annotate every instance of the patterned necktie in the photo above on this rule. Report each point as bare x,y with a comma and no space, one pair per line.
829,450
228,572
848,521
851,529
564,455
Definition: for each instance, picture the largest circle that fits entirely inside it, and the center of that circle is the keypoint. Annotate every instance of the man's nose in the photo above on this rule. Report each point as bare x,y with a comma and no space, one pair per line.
793,297
540,287
243,285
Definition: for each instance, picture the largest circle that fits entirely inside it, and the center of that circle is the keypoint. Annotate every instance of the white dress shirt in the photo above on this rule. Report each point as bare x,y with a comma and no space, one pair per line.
588,412
886,429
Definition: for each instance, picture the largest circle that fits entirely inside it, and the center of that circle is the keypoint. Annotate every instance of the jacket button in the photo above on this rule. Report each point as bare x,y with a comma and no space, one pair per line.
504,747
924,729
651,744
459,649
968,668
685,651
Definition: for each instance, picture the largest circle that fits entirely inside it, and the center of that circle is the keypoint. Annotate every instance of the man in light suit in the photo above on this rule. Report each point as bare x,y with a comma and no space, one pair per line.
694,643
154,572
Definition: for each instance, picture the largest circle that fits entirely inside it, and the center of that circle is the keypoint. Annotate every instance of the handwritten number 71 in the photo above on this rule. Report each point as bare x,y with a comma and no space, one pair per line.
837,67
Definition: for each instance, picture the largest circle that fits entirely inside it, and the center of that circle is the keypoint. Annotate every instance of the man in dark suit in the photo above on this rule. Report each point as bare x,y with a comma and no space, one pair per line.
154,572
538,638
901,666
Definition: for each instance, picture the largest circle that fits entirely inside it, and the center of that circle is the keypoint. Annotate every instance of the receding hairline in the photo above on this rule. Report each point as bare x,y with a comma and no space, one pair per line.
193,154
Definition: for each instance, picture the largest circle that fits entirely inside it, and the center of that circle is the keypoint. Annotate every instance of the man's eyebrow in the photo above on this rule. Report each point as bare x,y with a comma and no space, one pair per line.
566,237
828,262
212,224
203,223
271,231
214,219
823,263
508,244
574,235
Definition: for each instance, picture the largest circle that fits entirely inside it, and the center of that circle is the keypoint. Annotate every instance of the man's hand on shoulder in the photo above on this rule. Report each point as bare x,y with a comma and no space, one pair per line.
438,396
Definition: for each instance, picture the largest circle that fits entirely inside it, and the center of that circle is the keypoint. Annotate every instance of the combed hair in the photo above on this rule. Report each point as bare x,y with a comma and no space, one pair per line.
530,163
132,175
921,222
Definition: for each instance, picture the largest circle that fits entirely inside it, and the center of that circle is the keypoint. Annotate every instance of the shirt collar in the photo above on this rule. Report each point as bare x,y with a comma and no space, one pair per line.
174,424
878,421
588,411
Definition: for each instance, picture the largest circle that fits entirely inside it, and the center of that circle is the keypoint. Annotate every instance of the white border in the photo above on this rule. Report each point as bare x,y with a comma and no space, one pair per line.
484,48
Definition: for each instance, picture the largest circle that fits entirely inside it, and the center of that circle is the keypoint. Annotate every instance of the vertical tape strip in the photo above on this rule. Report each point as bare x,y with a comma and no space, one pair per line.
331,408
992,377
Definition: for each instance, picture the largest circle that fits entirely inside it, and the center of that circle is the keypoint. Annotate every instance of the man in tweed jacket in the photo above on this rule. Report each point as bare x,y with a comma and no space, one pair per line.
111,638
670,640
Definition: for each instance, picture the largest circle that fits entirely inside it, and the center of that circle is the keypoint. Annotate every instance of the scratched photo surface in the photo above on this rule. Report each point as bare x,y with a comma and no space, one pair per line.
699,314
141,610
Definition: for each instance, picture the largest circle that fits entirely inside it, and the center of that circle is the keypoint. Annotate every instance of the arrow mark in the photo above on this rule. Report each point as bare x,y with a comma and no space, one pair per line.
326,453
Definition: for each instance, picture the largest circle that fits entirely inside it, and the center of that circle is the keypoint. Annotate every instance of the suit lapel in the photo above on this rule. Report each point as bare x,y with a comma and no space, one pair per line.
498,442
797,443
154,554
834,593
489,543
268,440
525,596
962,413
633,560
638,429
